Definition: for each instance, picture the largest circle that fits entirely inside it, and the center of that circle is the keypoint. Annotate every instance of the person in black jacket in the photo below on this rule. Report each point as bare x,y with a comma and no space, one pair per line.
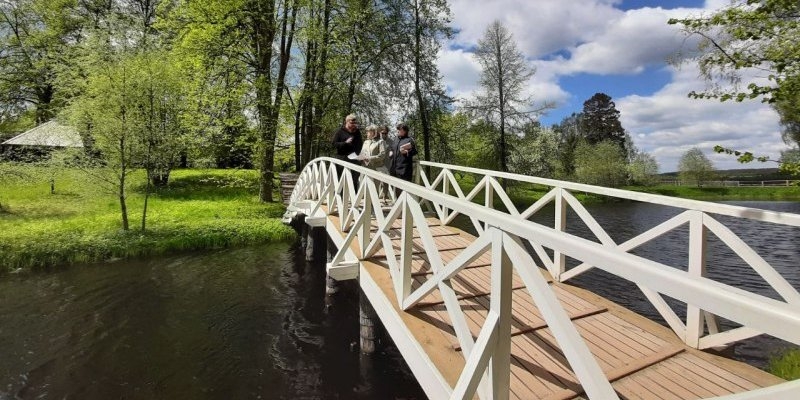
403,154
347,140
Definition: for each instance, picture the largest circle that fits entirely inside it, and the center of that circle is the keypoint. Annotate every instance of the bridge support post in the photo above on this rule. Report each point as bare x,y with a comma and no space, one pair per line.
366,318
331,285
314,234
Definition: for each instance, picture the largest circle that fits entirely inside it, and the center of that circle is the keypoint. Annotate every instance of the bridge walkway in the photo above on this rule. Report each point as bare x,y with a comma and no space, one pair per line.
489,314
642,359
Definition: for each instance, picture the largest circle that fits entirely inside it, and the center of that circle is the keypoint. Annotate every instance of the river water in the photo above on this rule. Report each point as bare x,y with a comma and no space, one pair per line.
247,323
254,322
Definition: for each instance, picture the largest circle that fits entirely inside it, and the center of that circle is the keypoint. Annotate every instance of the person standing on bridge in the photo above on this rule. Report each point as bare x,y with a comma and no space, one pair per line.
373,152
403,153
347,141
383,192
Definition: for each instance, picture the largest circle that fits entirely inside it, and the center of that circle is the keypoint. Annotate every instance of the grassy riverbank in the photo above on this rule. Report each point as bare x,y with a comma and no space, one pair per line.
80,222
775,193
526,194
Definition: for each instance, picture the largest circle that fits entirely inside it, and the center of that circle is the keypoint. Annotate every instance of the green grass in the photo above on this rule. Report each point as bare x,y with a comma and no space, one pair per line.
526,194
791,193
81,222
786,365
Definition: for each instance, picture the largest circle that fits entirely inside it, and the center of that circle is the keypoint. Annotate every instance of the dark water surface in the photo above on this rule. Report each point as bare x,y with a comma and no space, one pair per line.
235,324
777,244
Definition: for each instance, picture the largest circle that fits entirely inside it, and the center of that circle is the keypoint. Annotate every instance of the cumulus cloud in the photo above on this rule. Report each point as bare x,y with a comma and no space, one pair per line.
632,42
540,27
593,37
667,124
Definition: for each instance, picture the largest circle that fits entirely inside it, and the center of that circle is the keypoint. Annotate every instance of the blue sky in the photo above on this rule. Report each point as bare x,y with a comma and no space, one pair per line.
581,47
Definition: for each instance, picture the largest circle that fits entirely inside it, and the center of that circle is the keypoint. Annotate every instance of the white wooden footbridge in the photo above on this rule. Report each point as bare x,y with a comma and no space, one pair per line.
491,317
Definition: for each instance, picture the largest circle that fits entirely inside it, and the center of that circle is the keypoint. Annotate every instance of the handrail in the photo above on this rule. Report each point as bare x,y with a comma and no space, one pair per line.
714,208
503,233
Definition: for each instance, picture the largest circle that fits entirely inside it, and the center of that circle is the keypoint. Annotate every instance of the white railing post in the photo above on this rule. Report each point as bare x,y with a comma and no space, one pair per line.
559,260
406,250
489,191
366,228
500,303
697,267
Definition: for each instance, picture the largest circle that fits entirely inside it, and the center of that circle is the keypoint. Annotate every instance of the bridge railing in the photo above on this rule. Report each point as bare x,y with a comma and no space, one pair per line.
505,234
701,328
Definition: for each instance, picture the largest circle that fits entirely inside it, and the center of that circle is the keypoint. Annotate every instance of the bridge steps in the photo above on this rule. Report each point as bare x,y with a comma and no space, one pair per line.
641,358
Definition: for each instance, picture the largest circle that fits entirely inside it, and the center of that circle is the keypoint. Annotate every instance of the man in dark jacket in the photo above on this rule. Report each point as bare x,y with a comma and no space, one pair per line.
403,154
347,140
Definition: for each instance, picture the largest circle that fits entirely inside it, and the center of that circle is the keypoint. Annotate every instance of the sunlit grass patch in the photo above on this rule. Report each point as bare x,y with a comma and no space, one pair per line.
81,221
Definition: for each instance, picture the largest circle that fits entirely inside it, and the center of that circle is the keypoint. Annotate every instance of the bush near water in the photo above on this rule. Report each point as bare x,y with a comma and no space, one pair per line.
81,222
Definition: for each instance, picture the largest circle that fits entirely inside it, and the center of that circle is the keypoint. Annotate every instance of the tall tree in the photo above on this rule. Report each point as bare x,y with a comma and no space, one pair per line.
34,39
504,75
600,119
601,164
695,167
430,24
246,33
570,134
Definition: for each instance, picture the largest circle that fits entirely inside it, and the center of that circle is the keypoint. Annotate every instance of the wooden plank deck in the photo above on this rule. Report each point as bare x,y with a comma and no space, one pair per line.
642,359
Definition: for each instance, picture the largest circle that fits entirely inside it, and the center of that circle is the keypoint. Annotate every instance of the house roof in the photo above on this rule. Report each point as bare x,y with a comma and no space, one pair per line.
48,134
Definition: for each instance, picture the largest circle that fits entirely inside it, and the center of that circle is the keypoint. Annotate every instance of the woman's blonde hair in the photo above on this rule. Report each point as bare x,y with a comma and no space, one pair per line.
373,130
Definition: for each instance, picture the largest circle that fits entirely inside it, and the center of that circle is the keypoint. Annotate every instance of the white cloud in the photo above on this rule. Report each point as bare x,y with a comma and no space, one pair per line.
639,38
539,27
593,37
668,123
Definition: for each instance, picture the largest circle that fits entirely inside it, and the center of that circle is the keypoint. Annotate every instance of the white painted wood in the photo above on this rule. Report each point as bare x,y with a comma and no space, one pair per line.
344,270
501,306
428,376
727,337
697,268
536,206
457,317
406,248
665,310
705,298
587,219
466,257
783,391
477,361
784,288
583,363
560,224
714,208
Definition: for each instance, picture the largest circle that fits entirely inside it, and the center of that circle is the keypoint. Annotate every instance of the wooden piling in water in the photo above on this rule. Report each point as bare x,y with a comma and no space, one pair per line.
366,318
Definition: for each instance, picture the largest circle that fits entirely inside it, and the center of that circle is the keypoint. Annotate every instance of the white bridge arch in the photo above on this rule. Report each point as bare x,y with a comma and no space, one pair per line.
321,191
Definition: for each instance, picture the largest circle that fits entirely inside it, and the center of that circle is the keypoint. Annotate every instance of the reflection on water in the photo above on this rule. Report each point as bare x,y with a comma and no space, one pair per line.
235,324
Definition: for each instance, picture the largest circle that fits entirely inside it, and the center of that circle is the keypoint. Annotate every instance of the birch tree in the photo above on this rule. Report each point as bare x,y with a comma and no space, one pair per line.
504,76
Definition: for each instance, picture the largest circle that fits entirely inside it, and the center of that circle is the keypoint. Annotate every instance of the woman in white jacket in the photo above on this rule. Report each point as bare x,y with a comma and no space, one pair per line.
374,150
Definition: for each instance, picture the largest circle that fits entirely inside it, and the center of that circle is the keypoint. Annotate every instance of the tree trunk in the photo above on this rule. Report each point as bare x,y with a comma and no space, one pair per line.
423,111
263,20
146,198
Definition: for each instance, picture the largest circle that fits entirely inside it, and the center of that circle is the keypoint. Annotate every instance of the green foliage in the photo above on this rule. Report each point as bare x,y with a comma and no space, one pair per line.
786,365
791,193
535,152
695,167
200,209
600,120
749,34
602,164
643,170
